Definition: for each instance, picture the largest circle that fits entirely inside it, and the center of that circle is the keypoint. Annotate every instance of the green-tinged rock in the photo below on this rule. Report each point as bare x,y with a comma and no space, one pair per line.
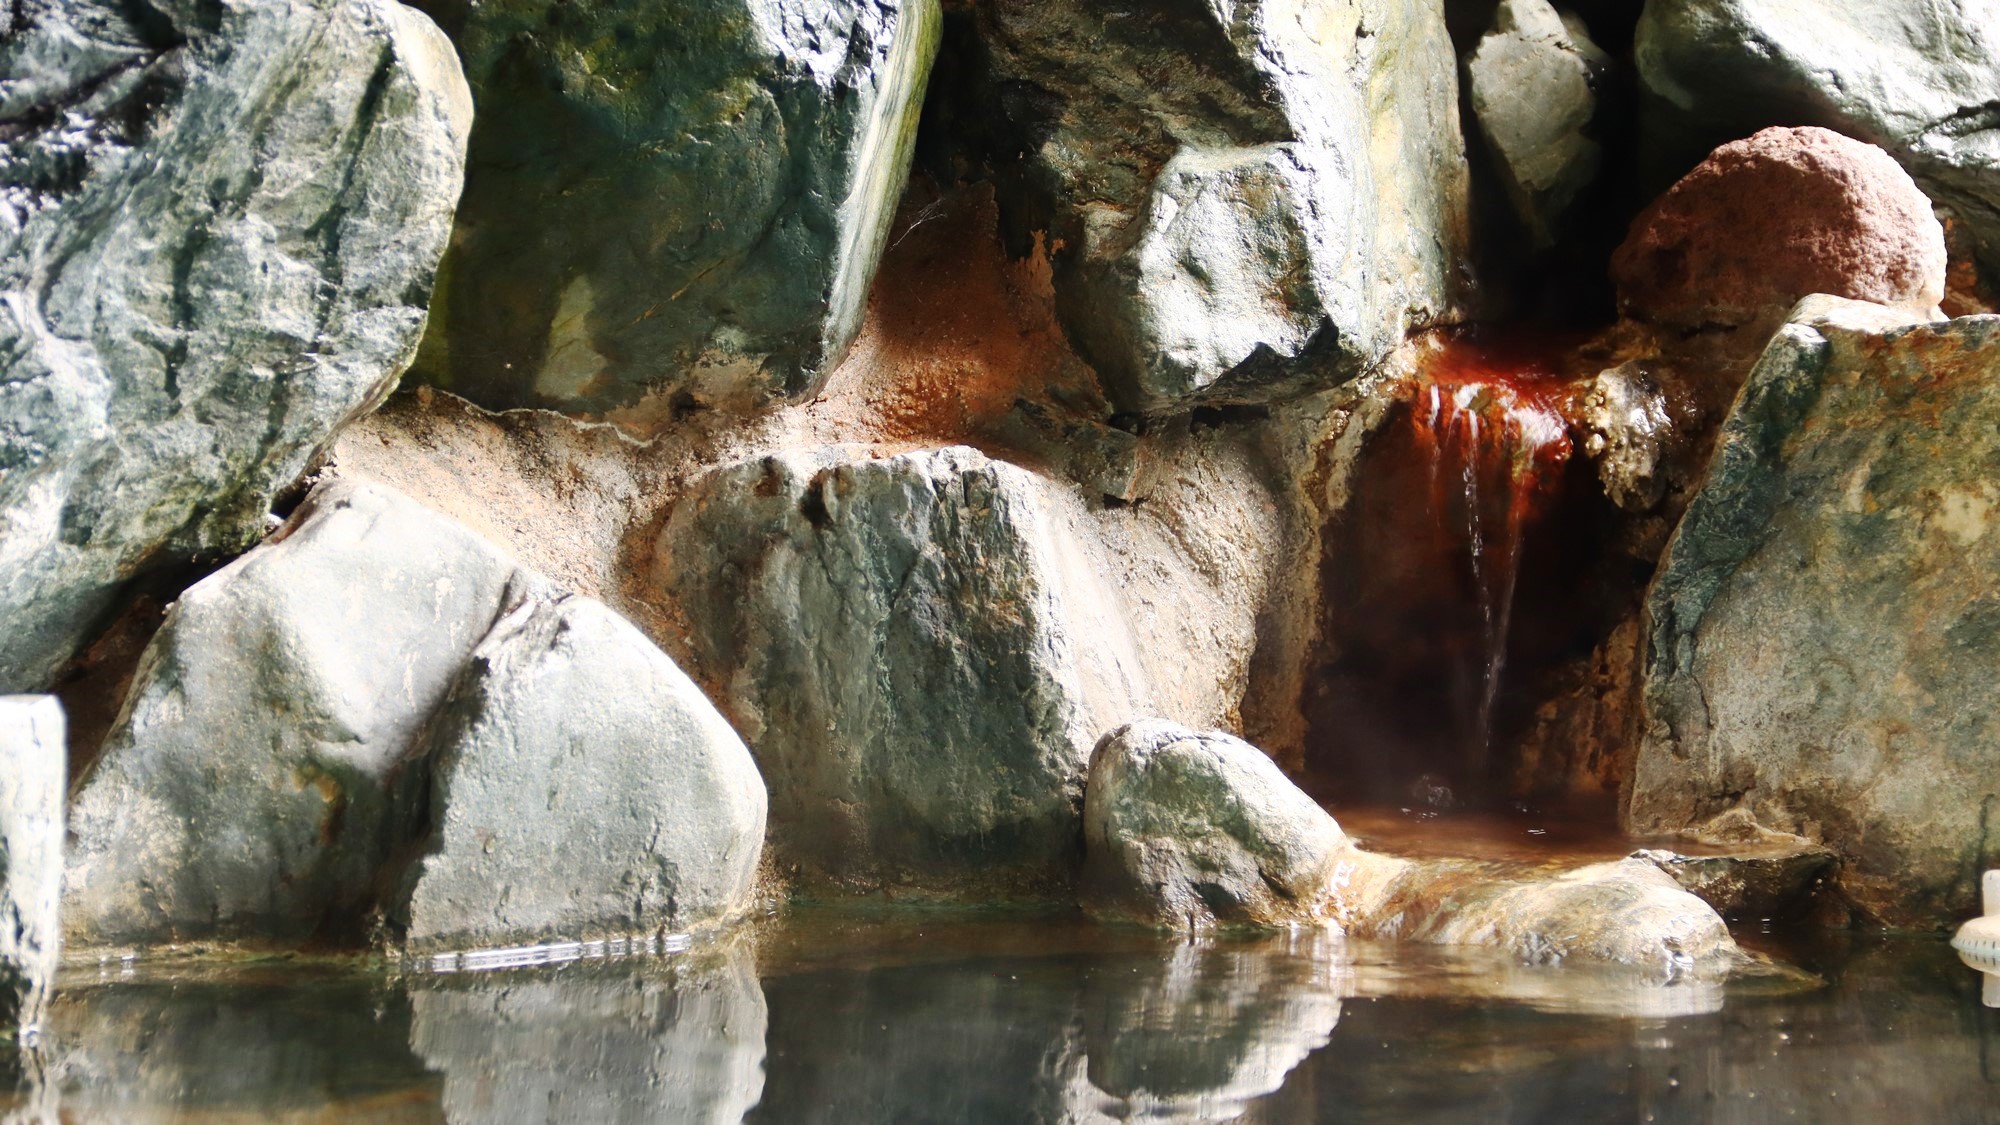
687,198
917,651
1187,830
1823,630
1246,199
33,769
1534,80
218,229
582,786
1920,80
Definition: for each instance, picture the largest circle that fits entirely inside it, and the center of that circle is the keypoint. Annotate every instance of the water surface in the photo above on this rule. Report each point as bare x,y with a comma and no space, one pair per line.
892,1015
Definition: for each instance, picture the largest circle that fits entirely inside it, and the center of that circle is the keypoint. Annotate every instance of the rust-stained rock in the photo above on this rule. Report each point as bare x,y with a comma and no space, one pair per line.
1775,217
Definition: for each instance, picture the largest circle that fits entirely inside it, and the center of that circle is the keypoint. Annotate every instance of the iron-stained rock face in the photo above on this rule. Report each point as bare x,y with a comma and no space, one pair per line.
32,770
377,683
1773,218
1822,634
218,229
672,196
916,651
1921,80
1247,199
582,786
1187,830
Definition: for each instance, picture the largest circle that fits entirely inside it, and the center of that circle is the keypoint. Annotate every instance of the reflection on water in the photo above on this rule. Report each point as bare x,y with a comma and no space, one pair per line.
840,1017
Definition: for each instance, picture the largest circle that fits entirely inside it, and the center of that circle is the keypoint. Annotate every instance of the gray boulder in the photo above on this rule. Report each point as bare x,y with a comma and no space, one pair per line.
1920,80
582,785
218,230
687,198
915,649
268,778
1821,631
33,769
1188,830
1534,80
263,770
1248,199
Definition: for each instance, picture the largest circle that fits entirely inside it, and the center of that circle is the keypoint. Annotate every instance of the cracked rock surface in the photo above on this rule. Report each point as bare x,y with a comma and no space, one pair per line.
218,229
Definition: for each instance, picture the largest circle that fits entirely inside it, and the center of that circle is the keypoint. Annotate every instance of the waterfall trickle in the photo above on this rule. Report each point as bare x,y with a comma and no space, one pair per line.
1497,442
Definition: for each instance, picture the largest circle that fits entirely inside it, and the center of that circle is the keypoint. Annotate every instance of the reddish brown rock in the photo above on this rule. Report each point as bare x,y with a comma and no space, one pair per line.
1774,217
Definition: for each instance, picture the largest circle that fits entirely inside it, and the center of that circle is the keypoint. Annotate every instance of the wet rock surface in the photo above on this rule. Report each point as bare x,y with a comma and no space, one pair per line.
581,785
32,782
220,228
687,199
293,736
1815,647
1274,217
1188,830
1920,80
915,650
1627,912
1534,82
1775,217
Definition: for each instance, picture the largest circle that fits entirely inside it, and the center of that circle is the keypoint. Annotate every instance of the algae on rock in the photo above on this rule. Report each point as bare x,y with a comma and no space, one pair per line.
1822,633
679,197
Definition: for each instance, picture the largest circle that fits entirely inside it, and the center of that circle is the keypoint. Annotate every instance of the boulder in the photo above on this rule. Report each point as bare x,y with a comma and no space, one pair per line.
1920,80
581,785
1772,218
1246,199
683,198
33,769
264,768
1533,81
1820,628
916,649
218,230
1189,830
294,737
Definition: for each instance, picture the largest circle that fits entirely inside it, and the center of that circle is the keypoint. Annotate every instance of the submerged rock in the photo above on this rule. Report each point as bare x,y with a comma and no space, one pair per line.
269,774
1188,830
1821,632
582,785
1248,199
916,650
218,229
1534,80
1921,80
32,775
687,198
1775,217
1627,912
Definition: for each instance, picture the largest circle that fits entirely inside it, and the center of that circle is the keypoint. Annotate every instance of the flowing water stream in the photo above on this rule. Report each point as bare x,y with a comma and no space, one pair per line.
1492,430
